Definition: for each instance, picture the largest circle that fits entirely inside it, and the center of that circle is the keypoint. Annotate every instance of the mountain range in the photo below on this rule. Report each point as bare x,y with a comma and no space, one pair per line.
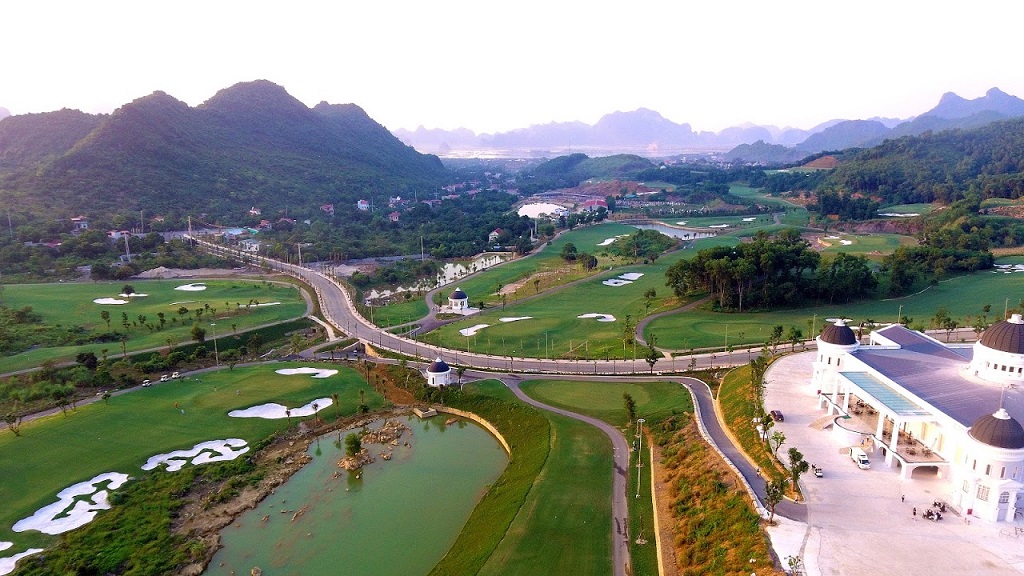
252,144
648,133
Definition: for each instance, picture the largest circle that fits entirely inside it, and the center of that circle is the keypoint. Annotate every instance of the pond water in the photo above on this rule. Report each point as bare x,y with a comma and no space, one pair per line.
675,232
537,208
392,517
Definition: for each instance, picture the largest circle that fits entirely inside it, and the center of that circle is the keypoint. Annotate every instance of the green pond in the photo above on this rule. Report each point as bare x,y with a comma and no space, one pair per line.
398,516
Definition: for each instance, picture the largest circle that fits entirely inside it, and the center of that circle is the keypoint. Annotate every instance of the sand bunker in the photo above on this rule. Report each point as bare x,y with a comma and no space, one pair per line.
1008,268
681,223
182,302
7,563
719,226
514,318
202,453
316,372
749,219
631,275
274,411
615,282
608,241
600,317
109,301
133,295
258,305
5,545
846,242
191,287
76,506
899,214
473,329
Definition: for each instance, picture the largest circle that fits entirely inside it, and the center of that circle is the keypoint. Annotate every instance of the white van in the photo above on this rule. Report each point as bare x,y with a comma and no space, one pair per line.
860,458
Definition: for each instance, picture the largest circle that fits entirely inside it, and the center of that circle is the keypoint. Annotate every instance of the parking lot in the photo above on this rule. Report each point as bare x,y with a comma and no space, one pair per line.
862,521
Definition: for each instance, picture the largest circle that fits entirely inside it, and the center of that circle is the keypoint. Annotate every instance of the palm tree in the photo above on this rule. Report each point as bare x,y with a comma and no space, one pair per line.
316,415
337,407
288,414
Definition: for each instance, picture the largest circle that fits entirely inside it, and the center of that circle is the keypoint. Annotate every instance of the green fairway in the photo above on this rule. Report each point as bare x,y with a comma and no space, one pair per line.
233,305
399,313
961,296
603,400
873,246
554,325
119,436
908,209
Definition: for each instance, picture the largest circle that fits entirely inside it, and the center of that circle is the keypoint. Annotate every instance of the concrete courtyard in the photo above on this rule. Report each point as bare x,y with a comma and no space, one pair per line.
857,521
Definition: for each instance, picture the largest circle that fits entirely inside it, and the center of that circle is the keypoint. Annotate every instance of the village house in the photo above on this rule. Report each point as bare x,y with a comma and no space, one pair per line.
363,205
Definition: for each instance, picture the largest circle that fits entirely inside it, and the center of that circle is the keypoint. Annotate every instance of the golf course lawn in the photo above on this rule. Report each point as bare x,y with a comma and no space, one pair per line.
556,314
57,451
961,296
873,246
71,305
603,400
655,401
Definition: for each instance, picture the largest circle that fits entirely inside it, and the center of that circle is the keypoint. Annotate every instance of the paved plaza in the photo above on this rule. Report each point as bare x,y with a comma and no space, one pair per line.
861,521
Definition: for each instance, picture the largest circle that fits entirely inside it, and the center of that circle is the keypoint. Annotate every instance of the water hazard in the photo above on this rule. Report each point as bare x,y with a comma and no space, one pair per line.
685,234
393,517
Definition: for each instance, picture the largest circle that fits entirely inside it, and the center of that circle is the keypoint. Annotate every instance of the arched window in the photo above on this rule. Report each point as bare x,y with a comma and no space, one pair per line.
1002,472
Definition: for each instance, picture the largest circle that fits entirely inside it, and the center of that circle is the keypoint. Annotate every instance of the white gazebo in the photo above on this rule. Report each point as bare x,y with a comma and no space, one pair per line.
458,300
439,373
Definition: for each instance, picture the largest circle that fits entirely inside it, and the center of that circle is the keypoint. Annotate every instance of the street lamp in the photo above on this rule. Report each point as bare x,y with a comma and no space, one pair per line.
639,452
216,354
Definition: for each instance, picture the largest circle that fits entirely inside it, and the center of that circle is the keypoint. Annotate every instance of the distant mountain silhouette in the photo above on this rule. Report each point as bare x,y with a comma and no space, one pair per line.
252,144
846,134
4,112
995,100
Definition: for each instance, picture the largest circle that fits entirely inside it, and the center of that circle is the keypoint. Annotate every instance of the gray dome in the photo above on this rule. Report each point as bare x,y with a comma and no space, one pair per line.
438,366
1005,336
999,430
838,333
458,295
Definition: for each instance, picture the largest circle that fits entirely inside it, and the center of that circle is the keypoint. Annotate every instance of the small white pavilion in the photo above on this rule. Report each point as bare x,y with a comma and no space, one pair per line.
439,373
458,300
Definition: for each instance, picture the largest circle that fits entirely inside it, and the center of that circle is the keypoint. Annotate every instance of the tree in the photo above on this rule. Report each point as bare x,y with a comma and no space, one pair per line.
13,420
569,252
649,297
630,405
87,359
198,333
652,356
797,466
536,285
353,445
794,336
127,290
288,415
460,371
775,441
774,492
337,407
105,315
363,408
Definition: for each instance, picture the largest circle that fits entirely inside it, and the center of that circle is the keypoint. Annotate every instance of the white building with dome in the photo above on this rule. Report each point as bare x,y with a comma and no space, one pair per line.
458,300
439,373
950,410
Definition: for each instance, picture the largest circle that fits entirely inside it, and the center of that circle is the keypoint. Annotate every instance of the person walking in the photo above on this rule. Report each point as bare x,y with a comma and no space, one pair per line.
903,498
915,512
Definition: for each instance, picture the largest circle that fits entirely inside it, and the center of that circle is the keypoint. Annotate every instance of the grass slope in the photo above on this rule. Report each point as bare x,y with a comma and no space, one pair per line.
72,305
58,451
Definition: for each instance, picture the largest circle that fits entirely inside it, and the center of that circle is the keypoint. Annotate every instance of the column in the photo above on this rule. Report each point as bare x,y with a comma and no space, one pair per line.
881,428
893,441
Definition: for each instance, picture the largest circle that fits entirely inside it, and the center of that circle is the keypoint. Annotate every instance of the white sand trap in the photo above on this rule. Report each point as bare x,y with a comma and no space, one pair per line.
608,241
600,317
316,372
631,275
514,318
182,302
109,301
473,329
7,563
260,304
682,223
846,242
202,453
5,545
191,287
615,282
749,219
133,295
72,510
900,214
274,411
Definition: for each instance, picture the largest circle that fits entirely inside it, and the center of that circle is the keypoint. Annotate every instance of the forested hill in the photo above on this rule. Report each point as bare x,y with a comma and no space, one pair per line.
943,166
569,171
252,144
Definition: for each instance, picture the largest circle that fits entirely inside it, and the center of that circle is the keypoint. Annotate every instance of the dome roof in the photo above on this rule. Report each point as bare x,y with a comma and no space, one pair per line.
1005,336
438,366
838,333
999,430
458,295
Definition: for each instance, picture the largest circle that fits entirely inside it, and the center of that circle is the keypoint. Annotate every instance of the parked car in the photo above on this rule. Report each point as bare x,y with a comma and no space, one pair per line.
165,378
777,416
176,375
860,458
146,383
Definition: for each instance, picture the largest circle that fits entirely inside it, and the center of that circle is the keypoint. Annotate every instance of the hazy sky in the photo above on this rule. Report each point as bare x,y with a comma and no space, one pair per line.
498,65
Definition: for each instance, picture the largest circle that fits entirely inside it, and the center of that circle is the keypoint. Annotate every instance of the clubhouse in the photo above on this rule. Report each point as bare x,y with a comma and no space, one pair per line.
953,410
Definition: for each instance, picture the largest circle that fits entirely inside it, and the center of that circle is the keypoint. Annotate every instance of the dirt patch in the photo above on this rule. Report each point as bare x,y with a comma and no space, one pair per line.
662,501
825,162
161,272
515,286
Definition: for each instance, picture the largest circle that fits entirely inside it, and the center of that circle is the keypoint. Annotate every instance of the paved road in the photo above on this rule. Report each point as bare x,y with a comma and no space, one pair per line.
620,463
